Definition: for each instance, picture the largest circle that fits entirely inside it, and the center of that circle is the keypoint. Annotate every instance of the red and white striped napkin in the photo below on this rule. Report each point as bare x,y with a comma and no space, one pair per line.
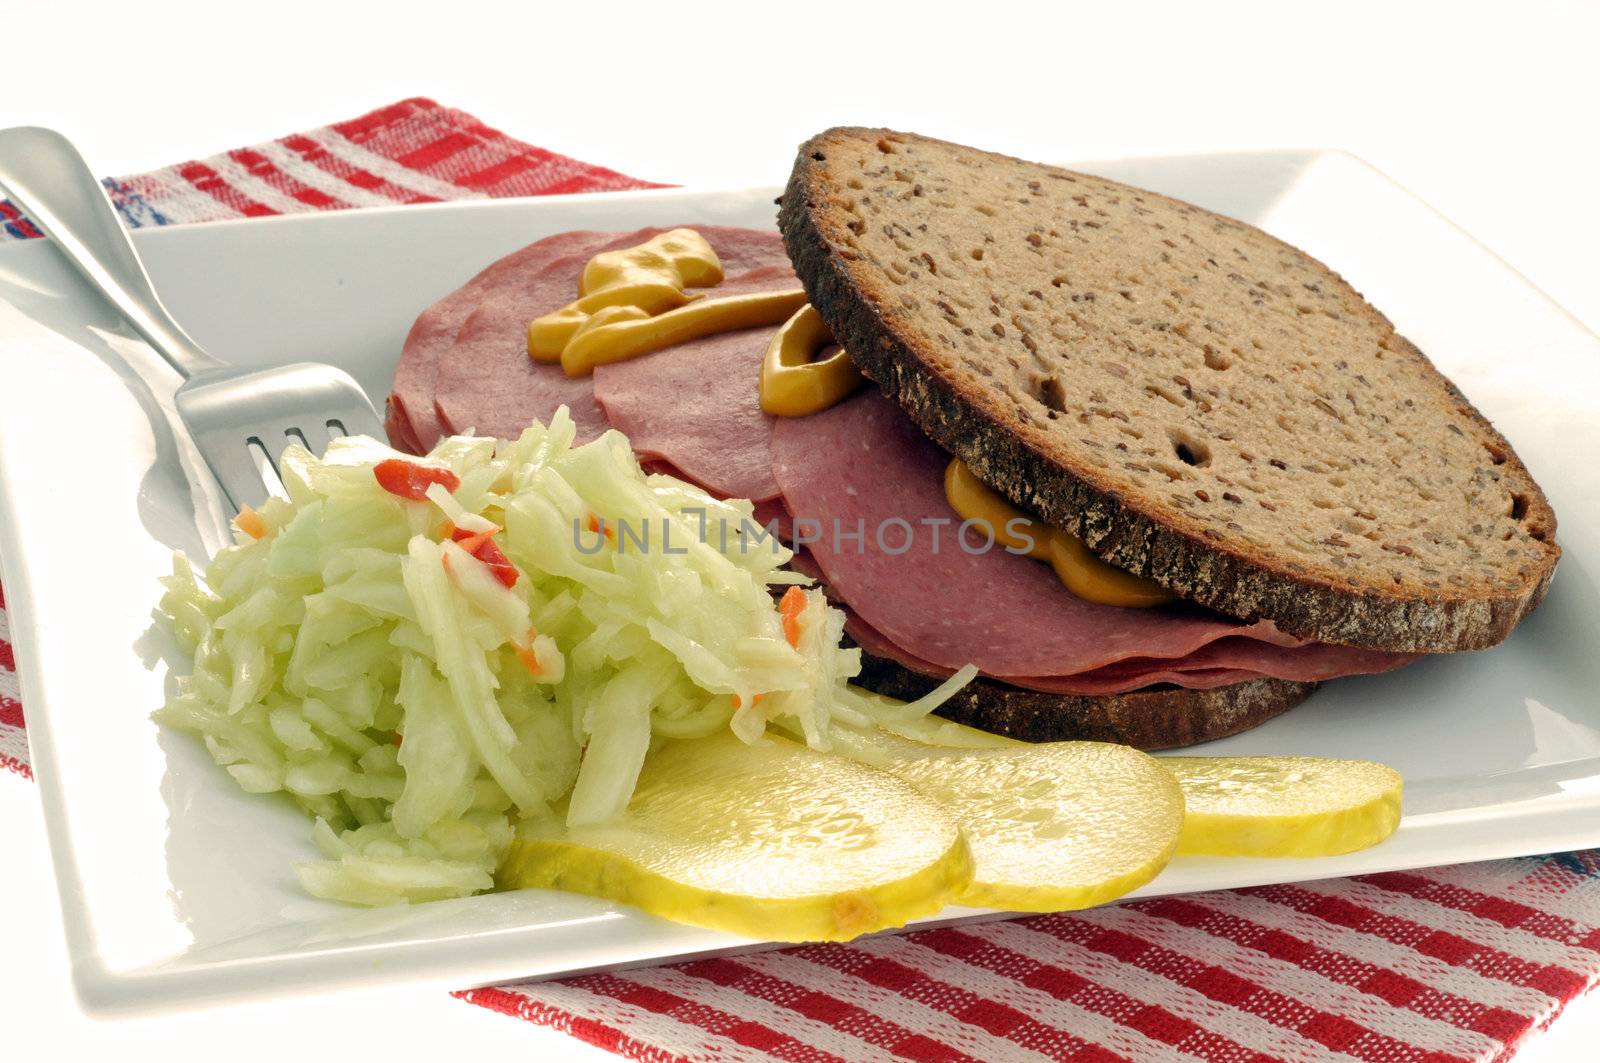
1452,963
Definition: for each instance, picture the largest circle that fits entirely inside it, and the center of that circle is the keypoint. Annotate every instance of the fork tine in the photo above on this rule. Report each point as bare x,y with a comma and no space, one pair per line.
358,419
235,466
295,436
271,438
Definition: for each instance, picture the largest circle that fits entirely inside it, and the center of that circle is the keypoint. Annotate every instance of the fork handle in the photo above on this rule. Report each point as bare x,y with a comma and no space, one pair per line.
45,176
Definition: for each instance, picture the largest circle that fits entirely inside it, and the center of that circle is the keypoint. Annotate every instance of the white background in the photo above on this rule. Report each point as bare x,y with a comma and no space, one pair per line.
1488,112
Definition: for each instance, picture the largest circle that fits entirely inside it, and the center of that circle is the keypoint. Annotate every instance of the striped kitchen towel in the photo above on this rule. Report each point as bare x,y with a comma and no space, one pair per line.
1452,963
412,152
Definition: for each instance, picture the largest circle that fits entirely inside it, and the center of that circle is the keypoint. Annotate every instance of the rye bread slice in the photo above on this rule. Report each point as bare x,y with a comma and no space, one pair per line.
1201,403
1158,717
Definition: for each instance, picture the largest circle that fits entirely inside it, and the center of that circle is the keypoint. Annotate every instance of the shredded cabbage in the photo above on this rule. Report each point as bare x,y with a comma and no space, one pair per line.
379,674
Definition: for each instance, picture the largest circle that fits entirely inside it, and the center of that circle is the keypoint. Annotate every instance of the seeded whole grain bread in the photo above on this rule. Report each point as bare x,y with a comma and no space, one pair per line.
1203,404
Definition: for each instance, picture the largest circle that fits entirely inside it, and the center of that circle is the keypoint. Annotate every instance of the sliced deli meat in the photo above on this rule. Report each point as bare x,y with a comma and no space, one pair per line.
465,364
412,422
1228,660
486,382
1225,661
866,486
696,408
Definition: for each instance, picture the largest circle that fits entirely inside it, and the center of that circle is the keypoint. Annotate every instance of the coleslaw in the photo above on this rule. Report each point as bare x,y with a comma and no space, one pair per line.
422,653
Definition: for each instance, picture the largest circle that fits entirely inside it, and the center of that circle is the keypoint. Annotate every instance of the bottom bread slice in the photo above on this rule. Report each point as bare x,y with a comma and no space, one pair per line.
1158,717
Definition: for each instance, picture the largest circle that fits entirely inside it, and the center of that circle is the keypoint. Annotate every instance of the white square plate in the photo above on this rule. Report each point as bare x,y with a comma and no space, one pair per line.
176,886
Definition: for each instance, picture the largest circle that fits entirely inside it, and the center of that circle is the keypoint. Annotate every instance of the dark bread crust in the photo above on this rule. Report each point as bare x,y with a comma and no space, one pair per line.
1161,717
1233,578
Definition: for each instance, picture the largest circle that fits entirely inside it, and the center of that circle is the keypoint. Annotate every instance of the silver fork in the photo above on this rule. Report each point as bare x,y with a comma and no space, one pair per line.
241,419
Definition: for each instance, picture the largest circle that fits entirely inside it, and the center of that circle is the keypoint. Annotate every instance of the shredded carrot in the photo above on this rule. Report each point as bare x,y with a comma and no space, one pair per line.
250,522
790,606
526,656
598,526
736,702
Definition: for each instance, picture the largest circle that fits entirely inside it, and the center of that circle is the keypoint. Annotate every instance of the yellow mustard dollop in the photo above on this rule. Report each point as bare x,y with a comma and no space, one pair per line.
1075,564
794,382
651,276
632,332
635,301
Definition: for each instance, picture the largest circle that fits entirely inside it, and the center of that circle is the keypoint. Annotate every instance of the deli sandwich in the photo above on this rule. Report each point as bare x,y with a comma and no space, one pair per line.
1209,475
